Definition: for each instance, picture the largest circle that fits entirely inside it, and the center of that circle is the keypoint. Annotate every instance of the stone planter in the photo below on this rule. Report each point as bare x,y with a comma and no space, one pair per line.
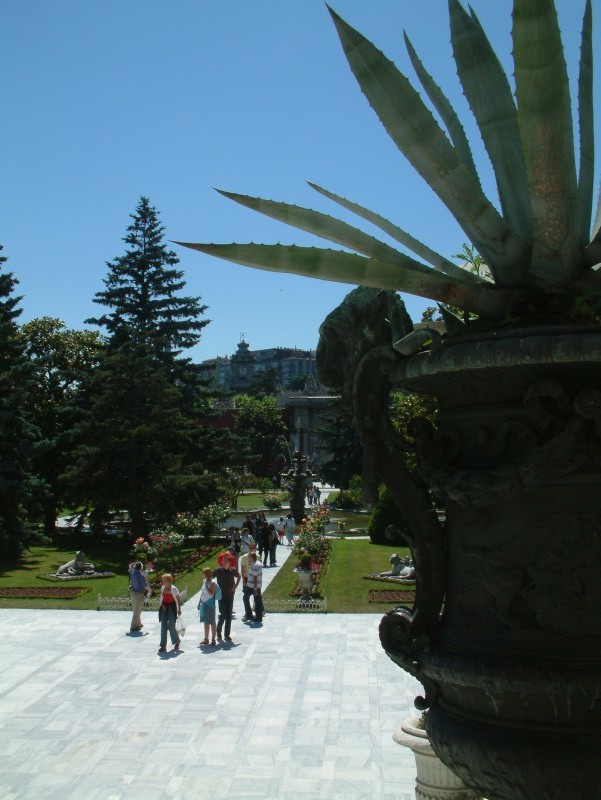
434,780
305,582
510,665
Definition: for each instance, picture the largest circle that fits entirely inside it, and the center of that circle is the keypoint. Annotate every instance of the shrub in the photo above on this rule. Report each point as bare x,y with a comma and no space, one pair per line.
305,561
385,513
351,497
274,500
163,547
210,516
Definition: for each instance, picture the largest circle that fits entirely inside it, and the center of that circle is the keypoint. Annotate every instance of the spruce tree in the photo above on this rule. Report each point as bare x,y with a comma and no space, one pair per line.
142,295
142,442
137,446
19,490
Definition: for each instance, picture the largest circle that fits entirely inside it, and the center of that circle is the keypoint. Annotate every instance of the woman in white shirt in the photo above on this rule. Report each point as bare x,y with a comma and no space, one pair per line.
206,605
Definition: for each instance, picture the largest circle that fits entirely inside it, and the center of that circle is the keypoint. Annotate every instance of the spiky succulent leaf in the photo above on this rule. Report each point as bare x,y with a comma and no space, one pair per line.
419,248
419,137
545,120
587,133
330,228
592,254
489,95
452,323
344,267
447,113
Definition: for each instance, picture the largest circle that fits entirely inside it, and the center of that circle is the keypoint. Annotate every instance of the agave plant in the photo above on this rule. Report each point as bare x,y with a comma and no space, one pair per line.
538,248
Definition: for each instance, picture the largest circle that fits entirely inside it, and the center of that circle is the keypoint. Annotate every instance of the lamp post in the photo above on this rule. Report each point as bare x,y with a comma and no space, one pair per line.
298,476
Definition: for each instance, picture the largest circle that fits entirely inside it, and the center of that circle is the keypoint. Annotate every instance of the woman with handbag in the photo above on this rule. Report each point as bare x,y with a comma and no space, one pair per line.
206,605
169,611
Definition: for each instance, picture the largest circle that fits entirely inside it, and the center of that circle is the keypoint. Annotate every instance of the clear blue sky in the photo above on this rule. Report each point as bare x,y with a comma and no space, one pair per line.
107,100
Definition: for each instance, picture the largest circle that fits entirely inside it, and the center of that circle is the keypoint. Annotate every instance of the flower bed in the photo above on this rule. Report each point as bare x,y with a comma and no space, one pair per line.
312,549
390,596
51,592
185,564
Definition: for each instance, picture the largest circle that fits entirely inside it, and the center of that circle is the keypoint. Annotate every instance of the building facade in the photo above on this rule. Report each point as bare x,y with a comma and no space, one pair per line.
238,372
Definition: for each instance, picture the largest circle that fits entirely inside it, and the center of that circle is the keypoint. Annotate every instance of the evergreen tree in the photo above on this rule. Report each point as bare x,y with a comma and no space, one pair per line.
344,450
259,425
143,442
137,445
141,292
19,490
61,359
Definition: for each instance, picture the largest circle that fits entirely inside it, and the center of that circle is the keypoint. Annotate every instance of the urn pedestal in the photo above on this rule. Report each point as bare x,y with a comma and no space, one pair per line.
434,781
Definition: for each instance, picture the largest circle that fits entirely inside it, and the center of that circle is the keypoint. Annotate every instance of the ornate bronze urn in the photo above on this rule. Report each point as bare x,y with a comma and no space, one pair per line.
511,666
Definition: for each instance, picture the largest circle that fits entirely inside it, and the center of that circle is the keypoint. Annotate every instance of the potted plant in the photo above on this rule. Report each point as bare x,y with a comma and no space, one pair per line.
304,574
504,634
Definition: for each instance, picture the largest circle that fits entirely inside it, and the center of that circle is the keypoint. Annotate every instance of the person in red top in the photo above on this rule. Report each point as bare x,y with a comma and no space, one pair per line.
169,610
231,555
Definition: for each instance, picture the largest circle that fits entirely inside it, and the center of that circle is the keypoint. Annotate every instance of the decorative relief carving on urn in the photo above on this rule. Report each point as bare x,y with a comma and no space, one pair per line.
552,436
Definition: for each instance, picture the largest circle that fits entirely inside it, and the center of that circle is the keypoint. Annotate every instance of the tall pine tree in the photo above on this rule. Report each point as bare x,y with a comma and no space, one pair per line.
19,490
142,293
141,443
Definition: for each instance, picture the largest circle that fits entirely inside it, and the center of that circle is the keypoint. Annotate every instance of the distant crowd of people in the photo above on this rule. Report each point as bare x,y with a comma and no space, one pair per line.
313,495
248,551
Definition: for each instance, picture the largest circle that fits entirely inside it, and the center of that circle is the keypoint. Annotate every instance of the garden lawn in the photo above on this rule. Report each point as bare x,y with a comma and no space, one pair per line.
107,556
250,501
343,584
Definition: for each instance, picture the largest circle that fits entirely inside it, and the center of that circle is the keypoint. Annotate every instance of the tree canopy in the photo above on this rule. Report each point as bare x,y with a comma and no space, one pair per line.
19,489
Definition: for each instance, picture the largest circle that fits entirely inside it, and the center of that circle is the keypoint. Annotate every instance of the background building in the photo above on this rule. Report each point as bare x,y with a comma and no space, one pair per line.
238,372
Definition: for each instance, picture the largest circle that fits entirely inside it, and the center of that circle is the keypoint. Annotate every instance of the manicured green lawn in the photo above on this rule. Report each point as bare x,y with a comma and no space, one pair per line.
344,584
113,556
250,500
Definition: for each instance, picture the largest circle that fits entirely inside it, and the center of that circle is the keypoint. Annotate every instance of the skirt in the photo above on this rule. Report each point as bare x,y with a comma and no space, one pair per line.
207,613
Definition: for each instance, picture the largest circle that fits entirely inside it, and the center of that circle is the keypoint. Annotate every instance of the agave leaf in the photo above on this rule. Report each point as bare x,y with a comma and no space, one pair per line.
592,254
344,267
545,119
438,262
597,223
587,133
452,323
330,228
447,113
489,95
419,137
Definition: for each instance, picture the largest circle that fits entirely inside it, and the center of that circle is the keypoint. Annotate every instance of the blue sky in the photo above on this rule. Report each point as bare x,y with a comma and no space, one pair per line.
107,100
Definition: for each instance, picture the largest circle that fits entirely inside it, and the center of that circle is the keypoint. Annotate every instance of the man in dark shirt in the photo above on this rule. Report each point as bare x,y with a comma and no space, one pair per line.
228,580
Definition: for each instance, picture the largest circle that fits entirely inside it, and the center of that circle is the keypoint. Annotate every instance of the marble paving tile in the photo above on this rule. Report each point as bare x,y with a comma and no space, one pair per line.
306,706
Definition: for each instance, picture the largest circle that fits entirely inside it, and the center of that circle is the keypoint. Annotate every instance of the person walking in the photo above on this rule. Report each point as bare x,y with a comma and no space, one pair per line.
280,530
228,580
245,541
254,584
289,529
273,544
206,604
169,611
247,592
263,542
138,588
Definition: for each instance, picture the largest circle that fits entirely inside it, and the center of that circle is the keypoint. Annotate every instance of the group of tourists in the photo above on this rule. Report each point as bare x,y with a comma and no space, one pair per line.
248,551
313,495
